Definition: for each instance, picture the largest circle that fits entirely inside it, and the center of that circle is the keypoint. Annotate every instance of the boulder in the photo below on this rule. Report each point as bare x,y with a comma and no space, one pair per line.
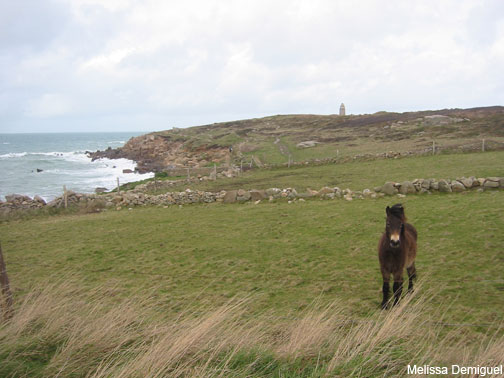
444,186
39,200
389,189
377,189
230,196
16,198
426,184
325,190
242,195
257,195
291,193
490,184
434,185
100,190
307,144
273,192
417,183
337,192
457,186
407,187
467,182
366,193
437,119
127,171
501,182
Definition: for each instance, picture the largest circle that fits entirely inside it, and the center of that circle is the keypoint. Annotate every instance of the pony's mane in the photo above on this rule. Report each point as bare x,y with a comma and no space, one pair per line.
398,211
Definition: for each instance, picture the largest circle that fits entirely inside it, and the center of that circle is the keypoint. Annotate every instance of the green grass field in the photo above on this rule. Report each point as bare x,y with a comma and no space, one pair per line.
358,175
290,261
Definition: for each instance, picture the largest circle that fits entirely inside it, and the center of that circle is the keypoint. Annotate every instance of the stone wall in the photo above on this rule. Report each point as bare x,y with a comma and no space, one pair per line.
130,199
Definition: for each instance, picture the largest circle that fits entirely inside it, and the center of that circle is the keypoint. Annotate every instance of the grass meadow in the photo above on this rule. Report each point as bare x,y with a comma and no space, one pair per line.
275,289
358,175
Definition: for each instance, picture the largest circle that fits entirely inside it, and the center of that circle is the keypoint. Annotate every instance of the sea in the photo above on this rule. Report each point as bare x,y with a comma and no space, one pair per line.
41,164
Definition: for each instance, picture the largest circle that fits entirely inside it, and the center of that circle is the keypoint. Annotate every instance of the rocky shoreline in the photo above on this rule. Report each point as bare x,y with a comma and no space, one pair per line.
138,196
157,153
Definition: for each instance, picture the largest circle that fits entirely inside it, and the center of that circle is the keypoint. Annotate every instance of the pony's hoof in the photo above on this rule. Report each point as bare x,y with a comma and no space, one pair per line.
384,306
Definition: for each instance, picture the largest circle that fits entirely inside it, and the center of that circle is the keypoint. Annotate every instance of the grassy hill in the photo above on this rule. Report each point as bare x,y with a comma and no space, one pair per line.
274,289
271,140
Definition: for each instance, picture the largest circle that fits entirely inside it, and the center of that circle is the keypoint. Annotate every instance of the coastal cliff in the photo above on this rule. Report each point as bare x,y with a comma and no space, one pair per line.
156,152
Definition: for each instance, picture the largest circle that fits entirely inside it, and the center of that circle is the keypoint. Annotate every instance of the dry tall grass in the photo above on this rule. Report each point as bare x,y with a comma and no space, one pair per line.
62,330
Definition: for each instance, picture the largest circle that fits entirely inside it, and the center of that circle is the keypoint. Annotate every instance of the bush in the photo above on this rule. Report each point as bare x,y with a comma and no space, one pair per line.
161,175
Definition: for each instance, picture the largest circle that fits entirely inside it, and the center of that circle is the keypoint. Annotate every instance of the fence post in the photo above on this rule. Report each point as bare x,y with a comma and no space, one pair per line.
241,166
251,160
65,196
483,146
215,171
188,174
6,295
289,164
337,154
118,186
433,147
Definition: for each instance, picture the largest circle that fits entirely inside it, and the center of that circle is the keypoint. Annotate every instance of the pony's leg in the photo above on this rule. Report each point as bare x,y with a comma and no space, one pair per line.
412,276
385,289
398,283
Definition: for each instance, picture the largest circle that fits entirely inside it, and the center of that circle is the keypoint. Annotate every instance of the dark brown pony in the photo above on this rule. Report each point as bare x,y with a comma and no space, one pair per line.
396,251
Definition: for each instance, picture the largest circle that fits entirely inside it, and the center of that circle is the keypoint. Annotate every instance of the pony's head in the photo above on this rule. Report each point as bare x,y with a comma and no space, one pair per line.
395,224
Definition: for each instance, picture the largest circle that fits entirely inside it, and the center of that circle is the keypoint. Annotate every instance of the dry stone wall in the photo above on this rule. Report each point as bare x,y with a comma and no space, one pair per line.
15,202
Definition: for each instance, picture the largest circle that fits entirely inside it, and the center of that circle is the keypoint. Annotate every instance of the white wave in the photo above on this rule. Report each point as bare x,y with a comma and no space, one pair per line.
13,155
73,156
5,143
117,141
75,170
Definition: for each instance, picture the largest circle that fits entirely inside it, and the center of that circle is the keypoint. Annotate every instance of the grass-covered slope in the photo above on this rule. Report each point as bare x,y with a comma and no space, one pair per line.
357,175
274,140
286,254
161,290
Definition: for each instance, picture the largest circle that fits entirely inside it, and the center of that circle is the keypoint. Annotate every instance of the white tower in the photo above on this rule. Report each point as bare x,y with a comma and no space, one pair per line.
342,109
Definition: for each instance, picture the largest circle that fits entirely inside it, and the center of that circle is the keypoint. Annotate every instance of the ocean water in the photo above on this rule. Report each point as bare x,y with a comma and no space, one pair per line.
62,159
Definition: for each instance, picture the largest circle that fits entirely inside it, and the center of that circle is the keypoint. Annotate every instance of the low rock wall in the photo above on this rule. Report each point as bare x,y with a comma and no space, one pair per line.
15,202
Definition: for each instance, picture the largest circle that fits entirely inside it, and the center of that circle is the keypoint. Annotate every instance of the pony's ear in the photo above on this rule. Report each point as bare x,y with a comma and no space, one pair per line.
388,210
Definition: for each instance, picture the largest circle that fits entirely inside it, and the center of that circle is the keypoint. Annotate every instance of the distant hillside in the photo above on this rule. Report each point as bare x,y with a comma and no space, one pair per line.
272,139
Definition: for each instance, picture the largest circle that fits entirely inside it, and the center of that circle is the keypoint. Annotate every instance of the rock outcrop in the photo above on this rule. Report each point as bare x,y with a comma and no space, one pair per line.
156,153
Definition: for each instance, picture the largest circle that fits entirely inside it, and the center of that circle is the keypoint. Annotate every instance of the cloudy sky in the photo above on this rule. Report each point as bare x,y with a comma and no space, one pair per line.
114,65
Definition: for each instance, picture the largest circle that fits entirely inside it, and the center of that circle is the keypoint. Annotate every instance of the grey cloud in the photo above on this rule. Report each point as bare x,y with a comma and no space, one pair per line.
31,24
156,64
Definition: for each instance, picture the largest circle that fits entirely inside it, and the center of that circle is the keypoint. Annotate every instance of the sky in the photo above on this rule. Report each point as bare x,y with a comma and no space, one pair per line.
146,65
